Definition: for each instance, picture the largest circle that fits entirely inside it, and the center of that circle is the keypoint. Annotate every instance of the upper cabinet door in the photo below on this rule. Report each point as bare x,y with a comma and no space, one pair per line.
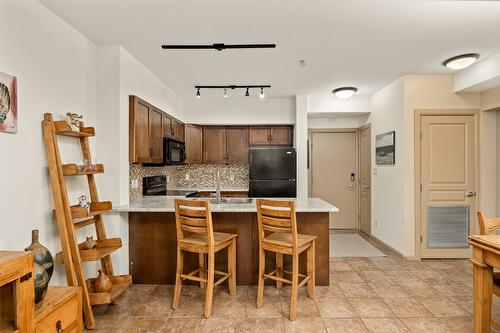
194,144
260,135
214,148
138,130
155,136
281,135
177,130
167,126
237,144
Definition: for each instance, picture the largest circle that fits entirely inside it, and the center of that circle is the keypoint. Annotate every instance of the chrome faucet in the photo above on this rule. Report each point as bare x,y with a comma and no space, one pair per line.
217,189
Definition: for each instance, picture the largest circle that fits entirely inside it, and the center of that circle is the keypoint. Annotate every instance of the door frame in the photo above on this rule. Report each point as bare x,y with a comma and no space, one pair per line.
309,158
417,164
358,180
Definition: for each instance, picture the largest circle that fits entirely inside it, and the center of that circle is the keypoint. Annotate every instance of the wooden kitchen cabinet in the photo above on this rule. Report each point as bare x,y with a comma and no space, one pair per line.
237,145
194,144
155,136
214,144
177,130
167,126
139,130
271,135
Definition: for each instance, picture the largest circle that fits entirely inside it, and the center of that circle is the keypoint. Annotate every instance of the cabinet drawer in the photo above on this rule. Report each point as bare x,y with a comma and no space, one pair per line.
64,316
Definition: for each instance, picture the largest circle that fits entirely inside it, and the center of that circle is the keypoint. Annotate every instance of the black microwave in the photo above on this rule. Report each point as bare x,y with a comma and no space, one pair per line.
174,152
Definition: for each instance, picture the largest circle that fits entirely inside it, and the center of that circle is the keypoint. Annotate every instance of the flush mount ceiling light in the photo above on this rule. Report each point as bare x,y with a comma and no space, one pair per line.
233,86
344,92
461,61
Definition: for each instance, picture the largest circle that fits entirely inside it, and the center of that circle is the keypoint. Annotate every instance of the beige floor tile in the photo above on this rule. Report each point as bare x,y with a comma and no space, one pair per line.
425,325
192,291
388,289
114,310
301,325
269,291
231,307
406,307
153,307
335,307
143,325
189,307
459,325
374,276
402,276
465,302
108,324
344,276
223,325
441,306
429,275
416,265
362,265
263,325
450,287
163,291
344,325
419,289
306,308
357,290
331,290
384,325
340,265
271,308
371,307
173,325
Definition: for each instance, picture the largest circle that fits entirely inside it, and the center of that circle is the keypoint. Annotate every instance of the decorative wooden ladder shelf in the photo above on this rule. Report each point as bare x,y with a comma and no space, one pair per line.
70,218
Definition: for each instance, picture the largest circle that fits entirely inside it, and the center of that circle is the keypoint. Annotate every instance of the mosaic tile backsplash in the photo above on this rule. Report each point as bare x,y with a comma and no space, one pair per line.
196,176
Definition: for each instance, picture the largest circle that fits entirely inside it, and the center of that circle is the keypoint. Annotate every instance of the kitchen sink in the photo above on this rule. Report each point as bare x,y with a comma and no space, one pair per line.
229,200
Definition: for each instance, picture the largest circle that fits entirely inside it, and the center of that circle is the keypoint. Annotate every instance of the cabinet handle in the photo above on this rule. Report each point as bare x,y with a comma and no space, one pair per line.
59,327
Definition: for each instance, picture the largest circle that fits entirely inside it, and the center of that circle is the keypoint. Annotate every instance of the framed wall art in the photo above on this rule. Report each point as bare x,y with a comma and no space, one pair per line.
8,103
385,148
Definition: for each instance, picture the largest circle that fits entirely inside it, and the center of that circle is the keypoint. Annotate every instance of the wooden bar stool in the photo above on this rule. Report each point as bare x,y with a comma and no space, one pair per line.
278,220
193,220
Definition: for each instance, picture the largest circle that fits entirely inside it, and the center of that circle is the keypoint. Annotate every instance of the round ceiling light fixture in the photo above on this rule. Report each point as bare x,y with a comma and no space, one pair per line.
461,61
344,92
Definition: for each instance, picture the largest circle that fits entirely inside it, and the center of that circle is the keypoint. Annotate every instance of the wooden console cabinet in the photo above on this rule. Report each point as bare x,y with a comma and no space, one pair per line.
61,311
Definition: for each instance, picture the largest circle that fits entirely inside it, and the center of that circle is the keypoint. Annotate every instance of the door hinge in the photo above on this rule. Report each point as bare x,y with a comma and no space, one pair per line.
420,239
420,135
420,187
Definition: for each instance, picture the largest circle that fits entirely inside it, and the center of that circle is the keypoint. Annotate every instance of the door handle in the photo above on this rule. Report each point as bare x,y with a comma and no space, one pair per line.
366,188
470,194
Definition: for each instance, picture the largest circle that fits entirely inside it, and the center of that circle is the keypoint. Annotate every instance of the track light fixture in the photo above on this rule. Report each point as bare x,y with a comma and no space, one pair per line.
233,86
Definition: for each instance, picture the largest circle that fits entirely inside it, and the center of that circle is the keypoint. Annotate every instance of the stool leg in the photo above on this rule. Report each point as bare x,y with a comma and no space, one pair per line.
295,285
231,267
178,279
202,274
279,266
210,285
260,288
311,270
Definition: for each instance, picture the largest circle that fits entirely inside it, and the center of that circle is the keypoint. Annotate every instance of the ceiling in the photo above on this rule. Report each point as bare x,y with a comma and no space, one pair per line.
366,44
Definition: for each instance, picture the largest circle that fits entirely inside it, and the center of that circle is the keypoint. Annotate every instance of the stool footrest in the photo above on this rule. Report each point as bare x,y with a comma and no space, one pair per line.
222,279
288,272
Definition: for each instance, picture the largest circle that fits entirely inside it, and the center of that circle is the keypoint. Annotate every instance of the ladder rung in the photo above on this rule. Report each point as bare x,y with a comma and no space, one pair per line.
84,223
75,170
62,128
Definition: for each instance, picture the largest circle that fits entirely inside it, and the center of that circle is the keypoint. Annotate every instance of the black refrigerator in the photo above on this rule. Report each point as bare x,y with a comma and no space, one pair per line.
273,172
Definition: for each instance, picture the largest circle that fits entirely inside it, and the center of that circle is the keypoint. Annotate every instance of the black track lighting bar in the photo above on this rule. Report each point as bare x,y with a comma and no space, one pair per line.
232,86
218,46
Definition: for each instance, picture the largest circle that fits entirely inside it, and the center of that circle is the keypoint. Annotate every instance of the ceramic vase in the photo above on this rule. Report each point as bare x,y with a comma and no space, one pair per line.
90,243
103,283
44,267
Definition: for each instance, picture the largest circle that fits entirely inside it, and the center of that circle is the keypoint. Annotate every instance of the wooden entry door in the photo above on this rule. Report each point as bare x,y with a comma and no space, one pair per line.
448,184
364,218
333,175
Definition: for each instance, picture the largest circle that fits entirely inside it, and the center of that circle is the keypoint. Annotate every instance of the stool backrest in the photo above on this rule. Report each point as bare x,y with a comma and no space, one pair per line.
276,216
487,226
193,216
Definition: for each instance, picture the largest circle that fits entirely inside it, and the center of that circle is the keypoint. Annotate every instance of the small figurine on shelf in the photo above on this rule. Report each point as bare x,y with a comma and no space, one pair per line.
74,121
103,283
89,243
83,201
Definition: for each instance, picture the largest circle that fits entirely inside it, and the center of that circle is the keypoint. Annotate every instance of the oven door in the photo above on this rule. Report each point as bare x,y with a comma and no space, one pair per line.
174,152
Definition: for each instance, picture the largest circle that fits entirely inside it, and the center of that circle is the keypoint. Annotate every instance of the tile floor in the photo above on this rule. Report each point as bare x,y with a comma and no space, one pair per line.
379,294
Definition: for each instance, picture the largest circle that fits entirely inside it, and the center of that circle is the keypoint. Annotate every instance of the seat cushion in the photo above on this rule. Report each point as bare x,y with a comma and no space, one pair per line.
285,239
201,239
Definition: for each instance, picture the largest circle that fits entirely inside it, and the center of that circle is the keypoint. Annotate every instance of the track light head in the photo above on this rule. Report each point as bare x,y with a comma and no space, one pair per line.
261,95
225,92
198,93
247,93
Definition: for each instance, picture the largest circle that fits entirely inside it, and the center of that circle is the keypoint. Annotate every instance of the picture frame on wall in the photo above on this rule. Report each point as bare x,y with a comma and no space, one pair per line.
8,103
385,148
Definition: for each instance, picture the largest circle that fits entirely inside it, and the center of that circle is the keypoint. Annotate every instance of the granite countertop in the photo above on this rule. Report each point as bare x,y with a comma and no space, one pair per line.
166,204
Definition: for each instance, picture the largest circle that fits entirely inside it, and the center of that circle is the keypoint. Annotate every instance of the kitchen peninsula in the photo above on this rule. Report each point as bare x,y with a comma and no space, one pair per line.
152,237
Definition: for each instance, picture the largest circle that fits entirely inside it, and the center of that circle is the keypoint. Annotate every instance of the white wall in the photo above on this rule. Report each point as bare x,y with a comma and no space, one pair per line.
336,121
55,67
483,75
321,103
388,192
238,110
